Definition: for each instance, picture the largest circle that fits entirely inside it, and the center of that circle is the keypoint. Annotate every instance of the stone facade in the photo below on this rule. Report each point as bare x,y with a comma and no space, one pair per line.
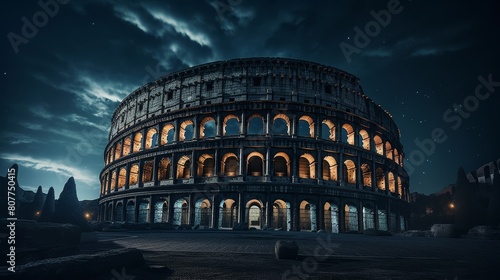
272,142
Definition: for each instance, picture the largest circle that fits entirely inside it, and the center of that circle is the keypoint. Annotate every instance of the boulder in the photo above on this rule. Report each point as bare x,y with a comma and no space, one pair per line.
78,266
483,232
444,230
376,232
286,249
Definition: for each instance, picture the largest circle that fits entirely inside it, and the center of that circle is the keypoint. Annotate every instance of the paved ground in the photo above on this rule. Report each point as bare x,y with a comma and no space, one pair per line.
250,255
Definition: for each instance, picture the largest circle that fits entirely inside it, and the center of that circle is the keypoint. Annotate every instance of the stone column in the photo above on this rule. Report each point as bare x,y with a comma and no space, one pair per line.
360,217
196,129
140,183
194,164
359,177
219,126
217,162
127,176
243,124
341,215
241,160
375,220
341,167
319,170
151,210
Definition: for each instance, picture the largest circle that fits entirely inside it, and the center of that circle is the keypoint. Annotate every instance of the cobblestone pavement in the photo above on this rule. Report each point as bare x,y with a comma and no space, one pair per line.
250,255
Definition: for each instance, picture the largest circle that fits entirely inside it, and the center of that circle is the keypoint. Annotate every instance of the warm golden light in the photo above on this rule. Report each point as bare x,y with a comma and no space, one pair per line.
87,215
452,205
37,213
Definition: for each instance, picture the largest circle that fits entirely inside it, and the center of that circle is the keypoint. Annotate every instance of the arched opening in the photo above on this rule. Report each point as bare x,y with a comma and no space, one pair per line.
396,155
228,213
186,131
382,219
122,177
349,172
164,169
281,215
109,213
143,212
255,164
110,156
329,166
327,130
368,217
388,150
118,151
307,166
151,138
347,134
230,164
161,212
391,182
367,175
118,212
281,165
306,126
181,212
113,180
184,167
379,146
400,187
167,134
207,128
281,125
364,139
147,172
379,174
126,146
206,165
133,176
307,215
254,208
130,212
255,125
331,217
351,217
137,142
202,213
231,125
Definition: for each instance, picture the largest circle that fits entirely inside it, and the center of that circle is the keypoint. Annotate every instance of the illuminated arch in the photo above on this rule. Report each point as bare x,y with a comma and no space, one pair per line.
118,150
379,146
307,166
167,134
255,125
350,171
327,130
230,164
400,187
208,127
329,168
147,171
255,164
184,167
151,138
388,150
364,138
306,126
186,131
281,125
231,125
367,175
396,155
351,217
122,176
133,176
348,134
379,174
113,180
281,164
137,142
126,146
164,169
391,182
206,165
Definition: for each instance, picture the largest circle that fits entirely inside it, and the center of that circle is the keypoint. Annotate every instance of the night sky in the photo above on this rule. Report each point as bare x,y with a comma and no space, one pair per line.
62,80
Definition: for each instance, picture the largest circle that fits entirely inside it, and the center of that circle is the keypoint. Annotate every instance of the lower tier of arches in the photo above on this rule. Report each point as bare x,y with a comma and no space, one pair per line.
289,212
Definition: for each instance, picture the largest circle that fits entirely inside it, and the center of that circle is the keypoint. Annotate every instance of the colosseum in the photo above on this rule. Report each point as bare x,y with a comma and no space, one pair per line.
258,142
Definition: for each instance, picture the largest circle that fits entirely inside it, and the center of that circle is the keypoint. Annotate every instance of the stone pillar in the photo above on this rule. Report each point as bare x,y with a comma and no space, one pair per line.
177,130
136,210
217,162
341,215
267,171
171,203
294,126
219,126
294,164
194,164
320,213
389,222
241,160
124,209
374,177
268,124
359,177
341,167
127,176
214,222
143,140
151,210
243,124
173,167
319,170
295,214
140,183
269,212
360,217
191,210
156,162
196,129
241,217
